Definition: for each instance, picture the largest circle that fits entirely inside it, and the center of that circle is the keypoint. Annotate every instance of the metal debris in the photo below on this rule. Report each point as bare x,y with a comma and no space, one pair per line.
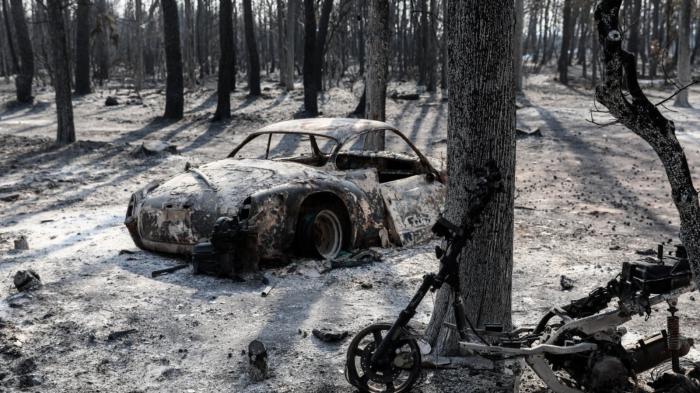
21,244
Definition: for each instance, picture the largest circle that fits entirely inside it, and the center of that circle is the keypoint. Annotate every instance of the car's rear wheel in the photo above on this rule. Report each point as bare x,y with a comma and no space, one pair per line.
323,232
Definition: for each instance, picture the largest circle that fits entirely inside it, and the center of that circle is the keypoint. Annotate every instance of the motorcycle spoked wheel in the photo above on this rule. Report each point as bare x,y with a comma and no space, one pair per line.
398,376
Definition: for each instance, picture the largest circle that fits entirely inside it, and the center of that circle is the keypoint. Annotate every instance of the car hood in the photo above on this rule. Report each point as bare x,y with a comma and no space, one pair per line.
233,180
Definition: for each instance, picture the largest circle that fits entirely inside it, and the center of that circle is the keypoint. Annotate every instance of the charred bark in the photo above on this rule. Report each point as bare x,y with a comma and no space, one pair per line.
82,48
252,45
378,39
481,127
289,48
8,29
223,106
23,80
323,22
643,118
684,52
567,34
174,100
61,60
310,87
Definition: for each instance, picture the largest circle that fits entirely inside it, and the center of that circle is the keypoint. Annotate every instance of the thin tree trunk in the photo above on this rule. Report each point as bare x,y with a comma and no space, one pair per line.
378,39
323,22
518,45
280,42
223,107
10,43
481,128
686,13
82,48
310,86
292,6
23,80
655,42
102,42
567,33
174,100
139,46
61,59
188,42
252,45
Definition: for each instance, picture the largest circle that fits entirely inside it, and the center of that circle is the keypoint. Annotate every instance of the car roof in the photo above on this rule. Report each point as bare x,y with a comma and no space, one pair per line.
337,128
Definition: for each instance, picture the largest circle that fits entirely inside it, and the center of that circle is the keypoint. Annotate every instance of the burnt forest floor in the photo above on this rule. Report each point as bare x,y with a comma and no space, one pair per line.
588,198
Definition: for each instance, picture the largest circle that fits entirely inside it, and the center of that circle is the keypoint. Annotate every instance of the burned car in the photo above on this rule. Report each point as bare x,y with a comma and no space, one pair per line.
296,188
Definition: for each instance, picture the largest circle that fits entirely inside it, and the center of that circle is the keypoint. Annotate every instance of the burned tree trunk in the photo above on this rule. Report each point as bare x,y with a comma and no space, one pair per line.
23,81
518,45
684,52
82,48
61,80
567,34
10,43
643,118
310,87
223,106
378,39
174,100
289,47
252,45
323,22
481,127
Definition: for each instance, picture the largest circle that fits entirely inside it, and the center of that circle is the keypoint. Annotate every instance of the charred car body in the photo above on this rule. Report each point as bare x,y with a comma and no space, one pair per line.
301,187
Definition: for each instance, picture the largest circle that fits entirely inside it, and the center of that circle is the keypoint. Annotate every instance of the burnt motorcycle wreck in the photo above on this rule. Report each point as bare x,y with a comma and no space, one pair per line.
573,349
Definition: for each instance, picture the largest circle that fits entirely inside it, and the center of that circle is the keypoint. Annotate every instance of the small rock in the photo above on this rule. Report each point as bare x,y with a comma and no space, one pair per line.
566,283
111,101
122,333
26,280
21,243
329,335
615,248
366,285
257,361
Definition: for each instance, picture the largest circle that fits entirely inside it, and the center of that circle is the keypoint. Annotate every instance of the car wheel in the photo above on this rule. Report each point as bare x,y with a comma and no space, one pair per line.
322,232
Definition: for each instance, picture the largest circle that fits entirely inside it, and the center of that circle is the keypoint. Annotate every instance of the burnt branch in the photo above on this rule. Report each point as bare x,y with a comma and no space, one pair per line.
643,118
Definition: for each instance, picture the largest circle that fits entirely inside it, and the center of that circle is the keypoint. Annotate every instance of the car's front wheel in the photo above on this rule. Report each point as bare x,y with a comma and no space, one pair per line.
322,232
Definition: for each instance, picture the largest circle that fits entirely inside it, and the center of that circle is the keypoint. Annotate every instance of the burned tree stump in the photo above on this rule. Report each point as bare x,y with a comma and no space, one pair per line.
643,118
257,358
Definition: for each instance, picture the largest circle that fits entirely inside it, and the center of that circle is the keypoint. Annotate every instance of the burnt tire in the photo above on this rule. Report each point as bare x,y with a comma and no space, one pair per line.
322,231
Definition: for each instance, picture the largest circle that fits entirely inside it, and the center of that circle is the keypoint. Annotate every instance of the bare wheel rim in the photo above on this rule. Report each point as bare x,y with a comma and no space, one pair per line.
327,234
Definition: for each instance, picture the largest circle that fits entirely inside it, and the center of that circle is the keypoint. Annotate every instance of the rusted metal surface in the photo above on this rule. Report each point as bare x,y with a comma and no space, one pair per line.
386,196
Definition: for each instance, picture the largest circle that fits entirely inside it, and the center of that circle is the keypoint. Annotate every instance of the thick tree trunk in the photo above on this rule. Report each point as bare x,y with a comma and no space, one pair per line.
430,42
481,127
567,34
23,80
252,45
61,60
518,45
323,22
223,107
310,86
643,118
378,39
686,12
292,6
174,100
82,48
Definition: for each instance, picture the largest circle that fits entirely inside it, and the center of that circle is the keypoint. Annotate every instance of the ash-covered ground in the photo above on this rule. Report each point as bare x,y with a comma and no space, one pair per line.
588,198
